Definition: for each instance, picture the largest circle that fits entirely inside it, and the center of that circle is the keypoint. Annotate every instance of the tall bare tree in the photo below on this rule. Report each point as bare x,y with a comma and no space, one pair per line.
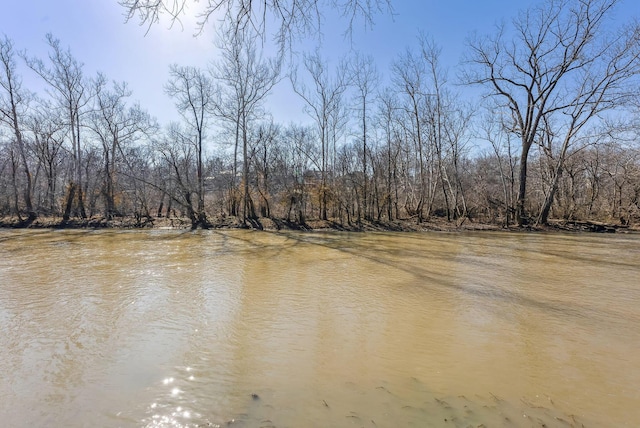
388,120
322,102
556,71
365,78
116,125
247,78
438,109
66,78
13,106
409,75
192,91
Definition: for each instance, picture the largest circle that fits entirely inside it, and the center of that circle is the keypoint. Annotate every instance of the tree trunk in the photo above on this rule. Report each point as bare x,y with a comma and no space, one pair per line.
245,171
83,213
521,214
548,202
71,192
364,160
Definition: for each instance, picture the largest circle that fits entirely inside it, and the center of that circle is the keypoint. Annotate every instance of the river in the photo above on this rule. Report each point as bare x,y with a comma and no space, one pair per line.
264,329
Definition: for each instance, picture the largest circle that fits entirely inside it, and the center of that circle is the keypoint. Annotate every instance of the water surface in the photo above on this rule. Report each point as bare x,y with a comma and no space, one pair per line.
261,329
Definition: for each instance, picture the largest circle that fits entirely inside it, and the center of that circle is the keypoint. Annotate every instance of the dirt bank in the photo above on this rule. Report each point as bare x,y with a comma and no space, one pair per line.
263,223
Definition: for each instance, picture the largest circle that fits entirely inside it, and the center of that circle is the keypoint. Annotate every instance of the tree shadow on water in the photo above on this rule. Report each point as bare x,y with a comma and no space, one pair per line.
429,279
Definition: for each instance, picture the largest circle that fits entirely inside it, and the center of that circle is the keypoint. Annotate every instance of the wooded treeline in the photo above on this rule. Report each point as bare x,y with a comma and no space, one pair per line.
556,135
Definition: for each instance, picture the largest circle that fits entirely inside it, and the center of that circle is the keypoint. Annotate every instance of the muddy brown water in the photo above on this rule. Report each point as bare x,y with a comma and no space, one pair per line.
261,329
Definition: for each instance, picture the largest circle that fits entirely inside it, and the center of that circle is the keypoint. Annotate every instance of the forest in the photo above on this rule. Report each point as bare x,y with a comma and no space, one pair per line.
554,136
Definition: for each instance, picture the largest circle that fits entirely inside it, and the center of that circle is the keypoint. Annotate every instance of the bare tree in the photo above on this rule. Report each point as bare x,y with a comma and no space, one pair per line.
555,74
302,156
265,136
49,133
116,127
365,78
492,130
247,78
69,86
178,157
291,18
409,75
323,102
388,120
192,91
443,129
13,105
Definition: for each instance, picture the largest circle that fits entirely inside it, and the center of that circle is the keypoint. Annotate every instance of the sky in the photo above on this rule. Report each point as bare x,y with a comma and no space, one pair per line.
99,37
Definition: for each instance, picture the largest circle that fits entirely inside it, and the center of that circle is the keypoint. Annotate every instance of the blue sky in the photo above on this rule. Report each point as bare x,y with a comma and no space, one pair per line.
98,36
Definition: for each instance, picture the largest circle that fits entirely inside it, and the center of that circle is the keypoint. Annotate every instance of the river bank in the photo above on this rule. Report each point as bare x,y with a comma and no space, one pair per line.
273,223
